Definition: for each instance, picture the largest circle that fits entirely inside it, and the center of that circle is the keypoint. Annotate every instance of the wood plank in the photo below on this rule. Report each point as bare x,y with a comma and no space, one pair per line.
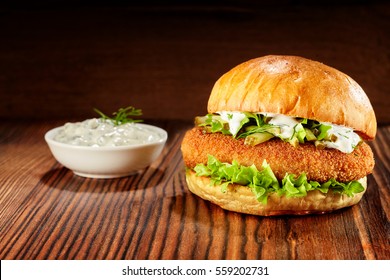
46,212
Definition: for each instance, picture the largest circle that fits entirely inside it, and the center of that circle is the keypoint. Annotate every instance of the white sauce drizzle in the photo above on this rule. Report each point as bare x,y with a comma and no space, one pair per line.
234,119
346,139
286,124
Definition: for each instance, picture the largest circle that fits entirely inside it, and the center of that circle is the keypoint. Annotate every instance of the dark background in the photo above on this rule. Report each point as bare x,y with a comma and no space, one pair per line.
59,59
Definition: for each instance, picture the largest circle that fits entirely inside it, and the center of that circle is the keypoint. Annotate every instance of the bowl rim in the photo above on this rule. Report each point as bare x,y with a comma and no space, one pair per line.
49,135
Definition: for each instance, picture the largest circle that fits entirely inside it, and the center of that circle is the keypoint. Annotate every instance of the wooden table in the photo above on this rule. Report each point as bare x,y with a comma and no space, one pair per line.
46,212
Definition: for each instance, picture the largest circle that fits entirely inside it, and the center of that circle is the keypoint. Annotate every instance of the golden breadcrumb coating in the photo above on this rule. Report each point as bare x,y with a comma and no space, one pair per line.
318,164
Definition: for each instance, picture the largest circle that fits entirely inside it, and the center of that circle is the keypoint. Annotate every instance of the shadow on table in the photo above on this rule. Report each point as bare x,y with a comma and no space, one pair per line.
63,178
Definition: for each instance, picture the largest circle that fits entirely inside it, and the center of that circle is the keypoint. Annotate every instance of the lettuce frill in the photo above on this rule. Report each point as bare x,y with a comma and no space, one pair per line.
264,182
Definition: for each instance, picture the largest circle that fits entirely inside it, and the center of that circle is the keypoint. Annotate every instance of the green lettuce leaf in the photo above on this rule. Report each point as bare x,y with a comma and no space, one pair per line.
264,182
216,124
323,128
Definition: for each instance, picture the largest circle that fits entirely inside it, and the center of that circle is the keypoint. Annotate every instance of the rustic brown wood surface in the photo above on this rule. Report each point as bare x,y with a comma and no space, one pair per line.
46,212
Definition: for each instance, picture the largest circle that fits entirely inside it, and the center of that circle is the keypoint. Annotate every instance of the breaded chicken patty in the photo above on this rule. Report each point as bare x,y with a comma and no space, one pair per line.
318,164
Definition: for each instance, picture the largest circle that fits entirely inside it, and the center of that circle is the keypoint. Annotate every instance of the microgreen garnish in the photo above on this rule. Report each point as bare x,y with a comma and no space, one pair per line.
122,116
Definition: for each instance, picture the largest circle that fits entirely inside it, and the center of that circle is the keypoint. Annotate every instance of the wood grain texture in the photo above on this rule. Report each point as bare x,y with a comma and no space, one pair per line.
46,212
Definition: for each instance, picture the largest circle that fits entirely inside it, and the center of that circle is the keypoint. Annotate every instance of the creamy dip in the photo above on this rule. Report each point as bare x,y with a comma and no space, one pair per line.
346,139
234,119
103,133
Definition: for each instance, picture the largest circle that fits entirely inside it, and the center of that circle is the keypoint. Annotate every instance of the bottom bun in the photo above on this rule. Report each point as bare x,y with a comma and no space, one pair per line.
240,198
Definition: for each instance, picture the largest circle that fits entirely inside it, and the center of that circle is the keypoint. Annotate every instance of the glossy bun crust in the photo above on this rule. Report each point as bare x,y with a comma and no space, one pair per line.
297,87
241,199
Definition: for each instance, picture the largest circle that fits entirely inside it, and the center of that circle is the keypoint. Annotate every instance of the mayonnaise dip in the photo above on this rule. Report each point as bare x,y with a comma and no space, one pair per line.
234,119
286,124
346,139
98,132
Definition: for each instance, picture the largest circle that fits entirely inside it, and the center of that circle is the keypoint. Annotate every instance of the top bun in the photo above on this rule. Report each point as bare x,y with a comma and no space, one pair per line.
296,87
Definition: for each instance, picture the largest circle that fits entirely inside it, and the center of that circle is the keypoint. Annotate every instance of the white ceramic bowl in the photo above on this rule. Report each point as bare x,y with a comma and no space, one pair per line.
106,162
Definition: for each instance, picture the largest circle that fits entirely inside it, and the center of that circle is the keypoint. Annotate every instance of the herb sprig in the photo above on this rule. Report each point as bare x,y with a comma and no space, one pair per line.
122,116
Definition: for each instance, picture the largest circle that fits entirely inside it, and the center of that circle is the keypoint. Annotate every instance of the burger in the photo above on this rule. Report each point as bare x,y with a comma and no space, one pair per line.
283,135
